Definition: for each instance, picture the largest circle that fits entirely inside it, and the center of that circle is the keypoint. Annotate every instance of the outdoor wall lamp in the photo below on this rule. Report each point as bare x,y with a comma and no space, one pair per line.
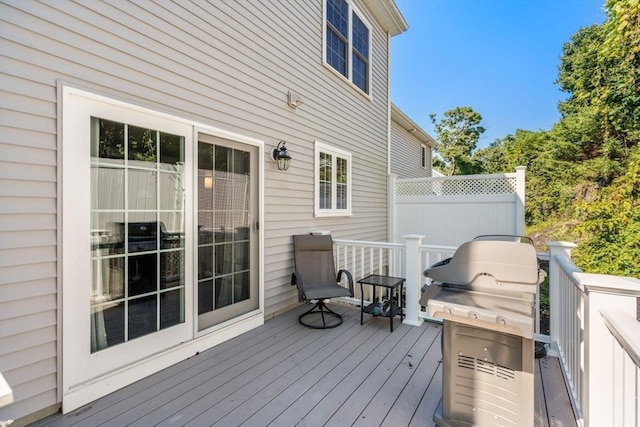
281,156
294,100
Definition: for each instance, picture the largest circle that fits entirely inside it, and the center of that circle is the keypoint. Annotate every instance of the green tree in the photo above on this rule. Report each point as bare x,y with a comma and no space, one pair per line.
580,72
609,226
600,69
520,149
583,174
458,133
550,179
491,159
621,52
600,121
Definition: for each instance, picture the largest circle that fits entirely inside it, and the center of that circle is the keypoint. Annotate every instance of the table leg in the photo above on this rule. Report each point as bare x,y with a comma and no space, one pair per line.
361,304
390,298
400,302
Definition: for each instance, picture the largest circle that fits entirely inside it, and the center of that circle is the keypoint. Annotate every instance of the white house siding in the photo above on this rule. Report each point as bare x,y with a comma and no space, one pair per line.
226,64
406,140
406,154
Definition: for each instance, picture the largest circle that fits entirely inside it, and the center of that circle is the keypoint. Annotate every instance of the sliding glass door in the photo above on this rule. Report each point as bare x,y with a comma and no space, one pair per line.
227,200
137,232
160,244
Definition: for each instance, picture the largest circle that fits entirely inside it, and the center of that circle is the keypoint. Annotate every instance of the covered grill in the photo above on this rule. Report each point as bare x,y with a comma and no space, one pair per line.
486,294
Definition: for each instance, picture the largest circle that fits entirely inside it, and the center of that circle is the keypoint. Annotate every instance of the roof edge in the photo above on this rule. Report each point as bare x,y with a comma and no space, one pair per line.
410,126
388,15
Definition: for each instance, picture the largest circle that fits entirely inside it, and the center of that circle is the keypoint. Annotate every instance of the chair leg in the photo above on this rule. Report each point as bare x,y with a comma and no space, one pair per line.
322,309
321,306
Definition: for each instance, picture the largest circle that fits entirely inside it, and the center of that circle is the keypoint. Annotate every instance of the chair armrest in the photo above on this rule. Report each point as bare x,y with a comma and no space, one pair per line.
349,279
296,279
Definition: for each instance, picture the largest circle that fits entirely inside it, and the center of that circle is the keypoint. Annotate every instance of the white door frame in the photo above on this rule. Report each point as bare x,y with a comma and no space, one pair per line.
81,381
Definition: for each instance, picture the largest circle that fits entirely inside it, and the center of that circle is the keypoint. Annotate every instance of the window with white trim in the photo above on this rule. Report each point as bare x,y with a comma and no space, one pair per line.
348,43
423,160
332,181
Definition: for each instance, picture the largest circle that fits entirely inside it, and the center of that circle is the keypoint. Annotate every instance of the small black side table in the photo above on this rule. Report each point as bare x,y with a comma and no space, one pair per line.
390,283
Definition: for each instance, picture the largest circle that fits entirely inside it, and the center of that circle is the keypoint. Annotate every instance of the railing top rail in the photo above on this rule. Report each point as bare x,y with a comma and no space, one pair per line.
460,177
602,283
569,269
608,284
367,244
624,329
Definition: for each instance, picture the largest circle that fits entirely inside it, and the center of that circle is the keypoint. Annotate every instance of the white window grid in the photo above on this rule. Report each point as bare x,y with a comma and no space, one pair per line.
336,188
350,47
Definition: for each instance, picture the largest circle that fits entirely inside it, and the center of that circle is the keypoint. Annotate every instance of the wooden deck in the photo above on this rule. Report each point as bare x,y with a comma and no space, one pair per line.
283,374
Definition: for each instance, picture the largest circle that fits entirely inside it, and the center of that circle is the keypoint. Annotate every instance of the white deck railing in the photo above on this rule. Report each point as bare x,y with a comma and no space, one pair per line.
624,345
592,321
597,337
408,260
362,258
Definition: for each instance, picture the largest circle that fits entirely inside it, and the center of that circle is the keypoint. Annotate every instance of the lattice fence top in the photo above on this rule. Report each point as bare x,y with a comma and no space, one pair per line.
447,186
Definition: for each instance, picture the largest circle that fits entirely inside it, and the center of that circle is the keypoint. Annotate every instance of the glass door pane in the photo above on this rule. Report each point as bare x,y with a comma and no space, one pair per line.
227,201
137,232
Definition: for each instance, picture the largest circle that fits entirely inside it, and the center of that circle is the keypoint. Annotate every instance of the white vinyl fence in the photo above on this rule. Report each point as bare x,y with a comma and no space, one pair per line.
451,210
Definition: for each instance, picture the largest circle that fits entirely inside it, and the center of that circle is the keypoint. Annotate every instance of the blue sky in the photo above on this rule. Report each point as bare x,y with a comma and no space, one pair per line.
499,57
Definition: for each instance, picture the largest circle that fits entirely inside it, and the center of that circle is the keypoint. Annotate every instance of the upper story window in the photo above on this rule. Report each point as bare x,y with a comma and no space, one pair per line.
423,160
332,181
347,43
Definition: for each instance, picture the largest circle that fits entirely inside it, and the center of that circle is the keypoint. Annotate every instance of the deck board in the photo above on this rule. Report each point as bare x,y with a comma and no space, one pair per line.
220,384
263,390
389,393
422,390
370,377
311,379
542,417
558,406
331,379
283,374
430,400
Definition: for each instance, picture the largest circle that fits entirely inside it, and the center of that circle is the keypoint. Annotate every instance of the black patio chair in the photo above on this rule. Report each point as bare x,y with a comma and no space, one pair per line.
316,279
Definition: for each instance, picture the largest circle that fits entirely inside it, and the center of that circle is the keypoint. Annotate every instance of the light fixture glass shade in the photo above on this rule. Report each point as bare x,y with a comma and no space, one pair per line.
281,156
283,163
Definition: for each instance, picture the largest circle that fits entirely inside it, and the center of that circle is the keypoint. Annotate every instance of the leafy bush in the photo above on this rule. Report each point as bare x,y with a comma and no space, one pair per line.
610,226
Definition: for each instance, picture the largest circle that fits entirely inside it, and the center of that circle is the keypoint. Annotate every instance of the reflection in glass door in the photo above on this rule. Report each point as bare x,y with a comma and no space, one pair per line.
227,206
137,232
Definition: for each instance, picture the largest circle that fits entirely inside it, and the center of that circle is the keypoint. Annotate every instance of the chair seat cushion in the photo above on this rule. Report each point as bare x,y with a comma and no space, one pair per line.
325,290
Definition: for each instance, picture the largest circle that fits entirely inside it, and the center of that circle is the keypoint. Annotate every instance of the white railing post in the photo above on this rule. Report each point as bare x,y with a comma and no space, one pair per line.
600,393
555,305
413,276
520,198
